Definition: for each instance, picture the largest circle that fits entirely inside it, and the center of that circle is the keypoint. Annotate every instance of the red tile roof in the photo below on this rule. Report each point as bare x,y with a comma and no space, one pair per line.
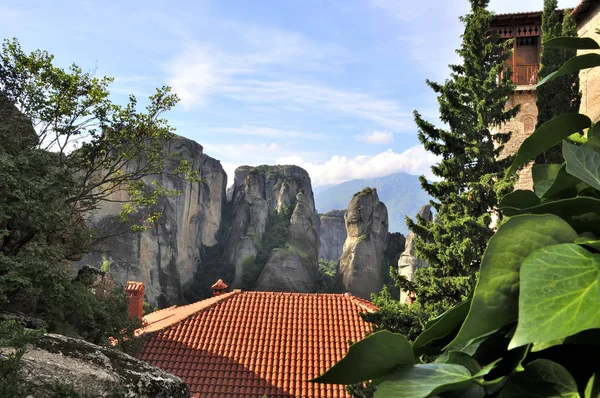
246,344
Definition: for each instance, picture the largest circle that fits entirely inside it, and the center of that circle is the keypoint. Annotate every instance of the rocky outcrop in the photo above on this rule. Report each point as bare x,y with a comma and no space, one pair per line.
166,257
54,362
363,253
332,234
257,191
408,263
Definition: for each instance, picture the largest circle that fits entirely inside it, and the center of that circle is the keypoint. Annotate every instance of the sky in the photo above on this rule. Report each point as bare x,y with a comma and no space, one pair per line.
328,85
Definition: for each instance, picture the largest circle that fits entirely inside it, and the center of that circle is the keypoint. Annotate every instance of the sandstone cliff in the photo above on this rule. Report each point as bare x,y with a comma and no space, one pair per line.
166,257
408,263
258,193
363,253
332,234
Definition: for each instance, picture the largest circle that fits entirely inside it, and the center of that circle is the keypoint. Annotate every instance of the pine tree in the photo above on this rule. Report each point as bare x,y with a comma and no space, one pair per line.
472,102
548,103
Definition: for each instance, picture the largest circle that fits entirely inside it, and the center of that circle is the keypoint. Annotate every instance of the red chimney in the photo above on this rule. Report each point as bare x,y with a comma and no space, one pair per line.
135,299
219,287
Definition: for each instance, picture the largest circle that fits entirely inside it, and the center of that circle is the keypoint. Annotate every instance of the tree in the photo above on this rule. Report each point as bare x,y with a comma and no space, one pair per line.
548,103
65,149
472,102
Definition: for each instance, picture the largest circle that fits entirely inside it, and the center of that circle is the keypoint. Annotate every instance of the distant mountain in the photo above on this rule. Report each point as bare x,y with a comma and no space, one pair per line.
401,193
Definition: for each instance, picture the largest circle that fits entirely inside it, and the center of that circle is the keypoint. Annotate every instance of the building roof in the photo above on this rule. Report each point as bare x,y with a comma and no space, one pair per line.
246,344
583,8
219,285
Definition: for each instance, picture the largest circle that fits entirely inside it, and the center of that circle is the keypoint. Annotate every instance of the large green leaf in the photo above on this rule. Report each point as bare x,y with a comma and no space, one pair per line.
547,135
564,184
543,177
541,379
419,381
439,329
374,356
496,297
520,198
579,43
575,64
559,294
582,213
583,163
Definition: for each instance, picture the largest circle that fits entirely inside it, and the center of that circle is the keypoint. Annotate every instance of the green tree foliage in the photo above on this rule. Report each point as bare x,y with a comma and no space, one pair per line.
327,274
548,103
65,149
472,102
532,325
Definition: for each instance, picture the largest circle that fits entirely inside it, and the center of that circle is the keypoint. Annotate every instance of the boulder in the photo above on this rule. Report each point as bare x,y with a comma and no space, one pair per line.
57,362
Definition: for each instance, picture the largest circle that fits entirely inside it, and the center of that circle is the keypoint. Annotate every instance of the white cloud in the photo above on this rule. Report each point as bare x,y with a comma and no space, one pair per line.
192,74
338,169
510,6
267,132
376,137
200,72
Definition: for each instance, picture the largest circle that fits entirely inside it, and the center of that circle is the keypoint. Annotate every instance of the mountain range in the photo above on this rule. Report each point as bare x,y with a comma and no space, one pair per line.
401,193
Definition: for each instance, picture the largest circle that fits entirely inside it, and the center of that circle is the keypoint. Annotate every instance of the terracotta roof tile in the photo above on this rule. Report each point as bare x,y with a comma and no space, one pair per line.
246,344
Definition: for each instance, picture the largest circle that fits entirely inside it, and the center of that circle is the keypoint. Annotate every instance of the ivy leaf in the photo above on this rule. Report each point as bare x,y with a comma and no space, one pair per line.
547,135
575,64
420,381
582,213
439,328
373,357
544,176
541,378
592,388
583,163
520,198
559,294
579,43
496,297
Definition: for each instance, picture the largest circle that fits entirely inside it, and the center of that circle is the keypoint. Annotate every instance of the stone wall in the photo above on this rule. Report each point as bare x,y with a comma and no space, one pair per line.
521,127
589,79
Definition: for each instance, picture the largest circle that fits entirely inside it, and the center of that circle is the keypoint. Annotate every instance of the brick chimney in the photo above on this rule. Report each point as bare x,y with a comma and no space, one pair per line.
219,288
135,299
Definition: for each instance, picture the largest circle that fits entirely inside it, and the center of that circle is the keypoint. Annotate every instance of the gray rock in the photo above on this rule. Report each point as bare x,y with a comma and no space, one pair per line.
256,192
166,257
332,234
408,263
92,371
363,252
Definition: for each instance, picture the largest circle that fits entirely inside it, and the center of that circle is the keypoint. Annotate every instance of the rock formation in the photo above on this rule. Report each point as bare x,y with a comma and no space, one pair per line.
257,191
408,263
56,361
332,234
363,253
166,257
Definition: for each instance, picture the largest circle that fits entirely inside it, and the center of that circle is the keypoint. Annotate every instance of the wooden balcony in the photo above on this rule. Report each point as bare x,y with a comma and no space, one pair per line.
525,75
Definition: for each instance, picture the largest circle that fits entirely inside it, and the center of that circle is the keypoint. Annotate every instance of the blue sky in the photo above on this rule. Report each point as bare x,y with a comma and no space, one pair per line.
329,85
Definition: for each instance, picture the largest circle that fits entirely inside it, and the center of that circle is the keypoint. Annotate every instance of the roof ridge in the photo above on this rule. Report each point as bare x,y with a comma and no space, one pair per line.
361,302
170,316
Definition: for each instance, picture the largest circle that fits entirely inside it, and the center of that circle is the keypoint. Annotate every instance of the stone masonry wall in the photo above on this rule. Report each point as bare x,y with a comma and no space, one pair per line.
589,79
521,126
